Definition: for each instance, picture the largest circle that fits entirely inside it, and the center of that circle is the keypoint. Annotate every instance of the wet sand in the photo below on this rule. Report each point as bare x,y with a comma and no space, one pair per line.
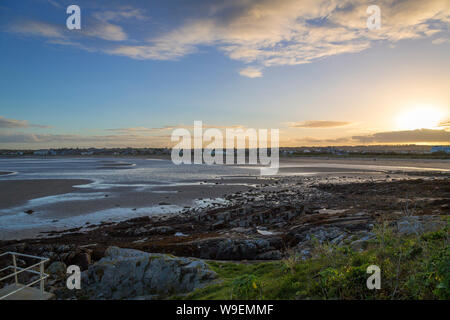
128,201
16,192
75,207
413,163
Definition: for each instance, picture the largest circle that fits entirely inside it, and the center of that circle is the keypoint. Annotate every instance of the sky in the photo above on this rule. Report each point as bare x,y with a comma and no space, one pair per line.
137,70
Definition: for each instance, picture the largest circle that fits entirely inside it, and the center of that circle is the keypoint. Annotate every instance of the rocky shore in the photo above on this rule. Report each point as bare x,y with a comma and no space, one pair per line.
274,218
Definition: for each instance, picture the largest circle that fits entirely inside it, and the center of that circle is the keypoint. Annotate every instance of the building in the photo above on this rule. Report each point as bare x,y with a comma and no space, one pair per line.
445,149
44,152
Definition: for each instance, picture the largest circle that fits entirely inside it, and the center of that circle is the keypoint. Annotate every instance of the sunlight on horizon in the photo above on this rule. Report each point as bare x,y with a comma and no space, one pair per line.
423,117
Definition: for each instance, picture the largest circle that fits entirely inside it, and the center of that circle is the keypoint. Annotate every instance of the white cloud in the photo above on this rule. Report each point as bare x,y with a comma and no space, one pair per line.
37,28
319,124
13,123
121,14
267,33
106,31
440,41
251,72
274,33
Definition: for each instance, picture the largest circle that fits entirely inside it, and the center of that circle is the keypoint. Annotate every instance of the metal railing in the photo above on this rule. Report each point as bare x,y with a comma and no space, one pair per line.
18,270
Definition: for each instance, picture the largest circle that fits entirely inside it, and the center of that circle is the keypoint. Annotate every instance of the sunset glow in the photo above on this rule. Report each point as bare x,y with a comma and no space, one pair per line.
420,118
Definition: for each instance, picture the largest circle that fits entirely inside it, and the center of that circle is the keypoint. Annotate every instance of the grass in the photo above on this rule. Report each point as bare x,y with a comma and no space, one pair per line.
412,267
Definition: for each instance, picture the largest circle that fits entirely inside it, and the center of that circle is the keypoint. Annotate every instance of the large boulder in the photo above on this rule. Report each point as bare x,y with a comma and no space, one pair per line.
128,273
57,270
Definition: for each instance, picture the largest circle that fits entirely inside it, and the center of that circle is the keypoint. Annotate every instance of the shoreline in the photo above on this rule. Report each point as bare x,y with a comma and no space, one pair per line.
271,221
30,207
273,216
55,205
283,158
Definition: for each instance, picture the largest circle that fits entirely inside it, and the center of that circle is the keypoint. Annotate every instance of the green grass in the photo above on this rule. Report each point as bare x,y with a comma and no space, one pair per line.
412,267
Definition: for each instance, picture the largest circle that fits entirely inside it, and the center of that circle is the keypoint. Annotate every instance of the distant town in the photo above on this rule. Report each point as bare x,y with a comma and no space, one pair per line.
380,150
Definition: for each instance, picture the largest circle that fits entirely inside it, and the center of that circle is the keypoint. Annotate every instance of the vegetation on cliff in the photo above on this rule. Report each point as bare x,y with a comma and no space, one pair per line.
412,267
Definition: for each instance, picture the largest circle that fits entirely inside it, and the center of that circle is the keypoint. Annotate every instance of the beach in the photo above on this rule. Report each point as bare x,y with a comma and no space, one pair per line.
227,213
34,202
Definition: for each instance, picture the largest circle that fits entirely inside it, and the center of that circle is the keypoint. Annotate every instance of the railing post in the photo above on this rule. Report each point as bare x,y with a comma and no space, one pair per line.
15,269
41,267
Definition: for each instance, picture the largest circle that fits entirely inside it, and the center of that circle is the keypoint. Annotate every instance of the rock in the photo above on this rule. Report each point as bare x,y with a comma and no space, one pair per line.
57,269
128,274
323,234
338,240
359,245
63,248
217,225
266,232
82,259
161,230
148,229
242,230
269,255
419,224
67,257
50,254
29,211
237,249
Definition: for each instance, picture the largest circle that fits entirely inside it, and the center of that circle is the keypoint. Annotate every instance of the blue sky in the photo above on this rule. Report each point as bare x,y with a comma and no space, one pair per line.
137,69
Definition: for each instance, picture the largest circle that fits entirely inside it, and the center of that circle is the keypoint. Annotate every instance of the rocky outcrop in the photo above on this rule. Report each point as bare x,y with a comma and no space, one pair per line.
419,224
128,274
239,249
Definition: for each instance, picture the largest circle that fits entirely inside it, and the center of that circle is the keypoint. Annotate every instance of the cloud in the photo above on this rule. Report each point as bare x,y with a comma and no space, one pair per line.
98,25
389,137
98,29
54,3
444,123
122,13
106,31
316,141
263,33
101,26
73,140
251,72
37,28
170,46
407,136
272,33
440,41
143,130
318,124
13,123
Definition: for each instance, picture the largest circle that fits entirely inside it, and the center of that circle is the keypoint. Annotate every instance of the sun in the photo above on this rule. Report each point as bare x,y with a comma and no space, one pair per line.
419,118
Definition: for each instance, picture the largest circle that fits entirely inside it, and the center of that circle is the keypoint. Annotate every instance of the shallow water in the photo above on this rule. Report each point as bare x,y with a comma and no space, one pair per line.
132,182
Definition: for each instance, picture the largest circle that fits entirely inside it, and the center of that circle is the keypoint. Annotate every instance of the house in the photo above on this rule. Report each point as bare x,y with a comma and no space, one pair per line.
42,152
445,149
45,152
